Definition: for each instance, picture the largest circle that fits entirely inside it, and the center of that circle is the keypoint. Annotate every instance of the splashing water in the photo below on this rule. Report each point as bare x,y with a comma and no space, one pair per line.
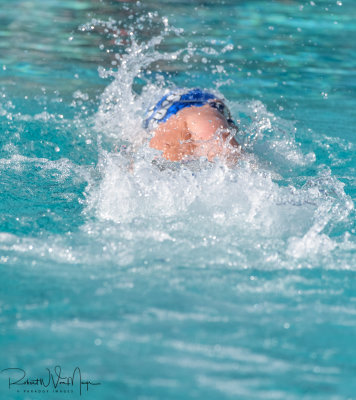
256,200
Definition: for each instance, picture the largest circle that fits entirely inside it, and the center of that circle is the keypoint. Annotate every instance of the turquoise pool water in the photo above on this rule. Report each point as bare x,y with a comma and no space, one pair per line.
170,281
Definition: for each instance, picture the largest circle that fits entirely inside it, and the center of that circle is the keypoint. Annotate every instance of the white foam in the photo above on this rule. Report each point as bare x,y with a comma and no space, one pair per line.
210,196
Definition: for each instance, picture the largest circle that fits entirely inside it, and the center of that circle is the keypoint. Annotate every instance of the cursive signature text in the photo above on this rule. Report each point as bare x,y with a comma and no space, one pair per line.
56,379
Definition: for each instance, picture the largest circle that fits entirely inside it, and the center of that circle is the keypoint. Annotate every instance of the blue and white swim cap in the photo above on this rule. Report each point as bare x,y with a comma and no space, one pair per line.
175,101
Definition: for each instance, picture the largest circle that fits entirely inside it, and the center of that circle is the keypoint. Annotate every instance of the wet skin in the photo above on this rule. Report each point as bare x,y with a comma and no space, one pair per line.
195,132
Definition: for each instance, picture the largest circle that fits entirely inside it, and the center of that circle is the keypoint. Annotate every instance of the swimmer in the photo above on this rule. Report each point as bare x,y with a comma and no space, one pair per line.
192,124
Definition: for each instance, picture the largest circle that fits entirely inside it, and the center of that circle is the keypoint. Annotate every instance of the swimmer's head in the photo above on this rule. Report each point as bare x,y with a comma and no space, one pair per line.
191,124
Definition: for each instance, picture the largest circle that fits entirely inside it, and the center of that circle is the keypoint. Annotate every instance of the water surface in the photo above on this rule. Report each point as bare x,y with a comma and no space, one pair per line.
164,280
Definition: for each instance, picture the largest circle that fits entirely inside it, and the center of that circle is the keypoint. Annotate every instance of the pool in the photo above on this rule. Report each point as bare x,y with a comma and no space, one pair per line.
161,280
